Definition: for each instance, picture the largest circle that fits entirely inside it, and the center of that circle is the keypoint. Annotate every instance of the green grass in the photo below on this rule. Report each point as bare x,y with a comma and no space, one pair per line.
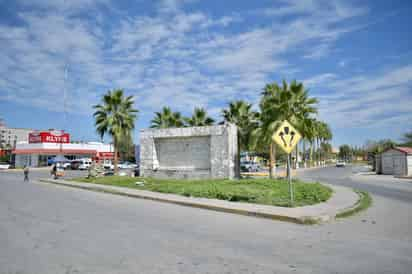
259,191
365,201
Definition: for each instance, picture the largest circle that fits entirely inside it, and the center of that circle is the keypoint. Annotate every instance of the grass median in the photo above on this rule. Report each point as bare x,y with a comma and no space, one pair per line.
258,191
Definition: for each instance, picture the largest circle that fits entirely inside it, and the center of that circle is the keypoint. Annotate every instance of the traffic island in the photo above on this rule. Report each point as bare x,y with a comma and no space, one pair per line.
341,199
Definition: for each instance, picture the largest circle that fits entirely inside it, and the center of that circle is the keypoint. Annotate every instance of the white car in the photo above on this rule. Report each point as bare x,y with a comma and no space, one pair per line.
4,166
126,165
84,163
249,166
67,165
108,166
340,163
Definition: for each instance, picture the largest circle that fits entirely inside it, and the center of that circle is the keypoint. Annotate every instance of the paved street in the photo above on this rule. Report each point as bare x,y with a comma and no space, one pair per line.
50,229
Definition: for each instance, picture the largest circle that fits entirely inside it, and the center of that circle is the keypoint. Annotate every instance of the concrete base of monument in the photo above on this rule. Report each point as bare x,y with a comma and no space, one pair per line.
343,199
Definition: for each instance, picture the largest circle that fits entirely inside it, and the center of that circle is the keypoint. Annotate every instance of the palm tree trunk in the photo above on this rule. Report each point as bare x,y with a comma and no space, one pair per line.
274,160
297,157
271,161
322,153
318,141
304,153
237,169
115,157
311,154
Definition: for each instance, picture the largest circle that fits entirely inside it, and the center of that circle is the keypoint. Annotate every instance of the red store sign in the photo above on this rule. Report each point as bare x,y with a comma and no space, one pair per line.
49,137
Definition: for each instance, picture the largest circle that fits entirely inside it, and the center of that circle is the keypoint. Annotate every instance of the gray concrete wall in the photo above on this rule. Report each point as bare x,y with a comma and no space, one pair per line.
192,152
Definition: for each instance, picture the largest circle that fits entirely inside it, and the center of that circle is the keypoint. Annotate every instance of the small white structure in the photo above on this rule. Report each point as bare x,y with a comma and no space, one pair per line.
397,161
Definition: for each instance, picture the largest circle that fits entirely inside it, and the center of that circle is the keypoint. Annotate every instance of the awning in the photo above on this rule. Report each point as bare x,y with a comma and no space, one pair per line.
55,151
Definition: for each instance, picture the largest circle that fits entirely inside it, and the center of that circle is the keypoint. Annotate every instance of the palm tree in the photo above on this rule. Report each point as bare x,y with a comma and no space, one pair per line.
306,128
199,118
322,134
116,117
278,103
240,113
269,121
166,119
325,136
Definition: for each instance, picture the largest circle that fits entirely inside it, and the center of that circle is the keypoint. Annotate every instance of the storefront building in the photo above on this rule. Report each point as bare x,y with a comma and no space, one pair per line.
43,146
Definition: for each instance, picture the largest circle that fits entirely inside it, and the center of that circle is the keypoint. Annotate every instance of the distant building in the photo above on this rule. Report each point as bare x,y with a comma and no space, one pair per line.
45,145
9,137
397,161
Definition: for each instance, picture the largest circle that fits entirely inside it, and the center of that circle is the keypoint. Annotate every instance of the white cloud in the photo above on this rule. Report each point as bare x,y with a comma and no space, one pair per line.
71,6
366,100
186,59
318,80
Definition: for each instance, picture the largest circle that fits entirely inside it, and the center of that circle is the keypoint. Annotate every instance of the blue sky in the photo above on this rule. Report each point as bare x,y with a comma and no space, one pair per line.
355,56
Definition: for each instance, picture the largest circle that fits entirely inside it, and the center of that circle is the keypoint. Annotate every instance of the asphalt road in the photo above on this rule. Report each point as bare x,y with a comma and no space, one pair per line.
358,177
52,229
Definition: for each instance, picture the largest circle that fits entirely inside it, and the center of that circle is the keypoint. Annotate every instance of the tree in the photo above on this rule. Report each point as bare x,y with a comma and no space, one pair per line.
166,119
379,146
322,135
345,152
116,117
126,149
278,103
199,118
407,139
306,127
240,113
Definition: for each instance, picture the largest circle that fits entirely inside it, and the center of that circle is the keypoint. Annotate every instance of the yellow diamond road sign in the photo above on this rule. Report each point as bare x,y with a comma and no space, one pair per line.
287,137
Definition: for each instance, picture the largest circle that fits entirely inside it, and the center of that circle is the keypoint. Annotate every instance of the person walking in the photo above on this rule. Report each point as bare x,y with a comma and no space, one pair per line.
26,173
54,171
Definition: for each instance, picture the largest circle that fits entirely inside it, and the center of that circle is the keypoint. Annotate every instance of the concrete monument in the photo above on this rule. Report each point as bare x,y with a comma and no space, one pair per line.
190,152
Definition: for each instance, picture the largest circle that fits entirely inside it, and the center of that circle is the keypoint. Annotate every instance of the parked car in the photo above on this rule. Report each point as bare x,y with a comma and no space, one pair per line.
82,164
74,164
340,163
108,166
126,165
67,165
249,166
4,165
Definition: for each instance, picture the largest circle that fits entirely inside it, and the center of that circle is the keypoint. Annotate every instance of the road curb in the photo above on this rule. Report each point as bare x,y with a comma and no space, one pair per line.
321,218
355,205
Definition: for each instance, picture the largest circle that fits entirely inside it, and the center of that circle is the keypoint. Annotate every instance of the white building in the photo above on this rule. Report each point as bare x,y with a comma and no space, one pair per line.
9,137
43,146
397,161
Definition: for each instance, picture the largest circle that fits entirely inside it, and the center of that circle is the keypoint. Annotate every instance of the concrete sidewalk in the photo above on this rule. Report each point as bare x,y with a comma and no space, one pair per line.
342,199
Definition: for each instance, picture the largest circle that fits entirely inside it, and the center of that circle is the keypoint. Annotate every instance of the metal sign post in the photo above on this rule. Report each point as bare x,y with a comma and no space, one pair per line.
287,137
290,181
